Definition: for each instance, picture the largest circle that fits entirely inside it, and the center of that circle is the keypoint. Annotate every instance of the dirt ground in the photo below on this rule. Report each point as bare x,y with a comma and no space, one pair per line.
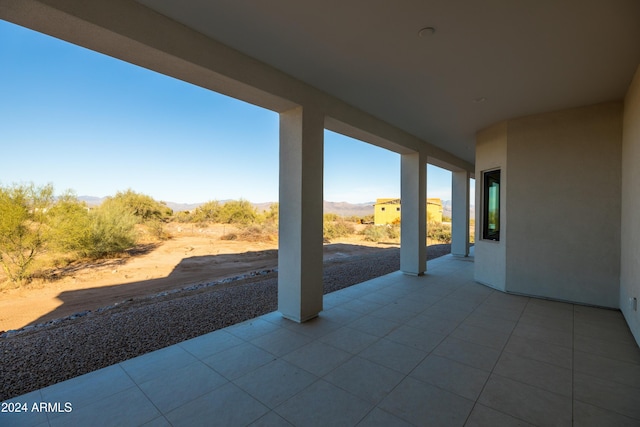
193,255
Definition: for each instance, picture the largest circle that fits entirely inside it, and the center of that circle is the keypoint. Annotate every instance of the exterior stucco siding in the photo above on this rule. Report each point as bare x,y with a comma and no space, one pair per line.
630,242
490,256
564,204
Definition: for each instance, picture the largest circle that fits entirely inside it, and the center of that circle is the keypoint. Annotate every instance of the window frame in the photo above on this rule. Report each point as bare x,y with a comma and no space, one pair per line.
491,190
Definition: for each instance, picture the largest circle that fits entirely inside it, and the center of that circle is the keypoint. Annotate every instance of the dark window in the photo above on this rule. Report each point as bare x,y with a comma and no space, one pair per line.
491,206
382,208
398,209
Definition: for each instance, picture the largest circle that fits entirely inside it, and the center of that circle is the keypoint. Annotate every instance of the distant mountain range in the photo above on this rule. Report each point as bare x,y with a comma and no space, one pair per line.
91,200
349,209
446,209
176,207
338,208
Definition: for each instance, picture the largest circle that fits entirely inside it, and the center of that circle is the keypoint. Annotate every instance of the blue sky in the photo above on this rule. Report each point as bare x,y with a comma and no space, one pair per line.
87,122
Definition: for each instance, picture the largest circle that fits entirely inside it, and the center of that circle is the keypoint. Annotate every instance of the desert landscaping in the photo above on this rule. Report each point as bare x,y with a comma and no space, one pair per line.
85,287
193,255
135,305
62,257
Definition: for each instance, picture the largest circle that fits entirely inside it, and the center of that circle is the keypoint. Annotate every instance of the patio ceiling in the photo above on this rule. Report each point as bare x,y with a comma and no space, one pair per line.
485,61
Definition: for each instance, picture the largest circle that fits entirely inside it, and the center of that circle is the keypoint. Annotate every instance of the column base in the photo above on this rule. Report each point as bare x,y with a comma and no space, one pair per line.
298,319
407,273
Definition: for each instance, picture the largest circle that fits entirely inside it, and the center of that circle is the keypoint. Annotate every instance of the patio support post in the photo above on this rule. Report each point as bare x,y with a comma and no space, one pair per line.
460,213
413,231
300,224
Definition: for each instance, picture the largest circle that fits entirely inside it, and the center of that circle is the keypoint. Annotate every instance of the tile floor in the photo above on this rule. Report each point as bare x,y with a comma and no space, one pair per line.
438,350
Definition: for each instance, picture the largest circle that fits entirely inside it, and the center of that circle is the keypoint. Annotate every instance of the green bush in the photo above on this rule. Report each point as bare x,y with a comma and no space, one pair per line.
144,208
23,214
336,229
381,233
374,233
208,212
472,231
32,223
182,216
273,214
104,231
238,212
393,232
69,224
329,217
157,230
439,232
112,231
259,232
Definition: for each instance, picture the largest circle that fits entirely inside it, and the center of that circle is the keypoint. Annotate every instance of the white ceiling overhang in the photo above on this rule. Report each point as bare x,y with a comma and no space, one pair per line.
486,61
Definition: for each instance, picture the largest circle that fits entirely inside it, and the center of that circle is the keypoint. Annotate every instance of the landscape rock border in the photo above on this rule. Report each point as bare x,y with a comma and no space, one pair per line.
194,287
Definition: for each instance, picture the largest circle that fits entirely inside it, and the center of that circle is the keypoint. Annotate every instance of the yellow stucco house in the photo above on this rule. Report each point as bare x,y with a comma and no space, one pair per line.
387,211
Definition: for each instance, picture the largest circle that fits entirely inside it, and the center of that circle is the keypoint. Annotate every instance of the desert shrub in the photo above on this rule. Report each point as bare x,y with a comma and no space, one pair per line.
144,208
381,233
157,230
439,232
104,231
238,212
393,231
273,214
208,212
374,233
112,231
259,232
182,216
330,217
472,231
69,224
23,214
336,229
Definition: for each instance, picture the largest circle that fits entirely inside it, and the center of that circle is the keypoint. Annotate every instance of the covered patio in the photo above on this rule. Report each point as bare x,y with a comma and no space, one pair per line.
439,349
524,97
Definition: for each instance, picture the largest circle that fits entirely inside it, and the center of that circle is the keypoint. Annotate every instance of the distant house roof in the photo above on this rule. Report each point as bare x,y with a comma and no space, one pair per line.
430,201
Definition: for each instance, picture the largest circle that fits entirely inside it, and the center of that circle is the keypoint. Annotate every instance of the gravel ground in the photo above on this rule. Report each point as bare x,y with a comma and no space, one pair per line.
45,356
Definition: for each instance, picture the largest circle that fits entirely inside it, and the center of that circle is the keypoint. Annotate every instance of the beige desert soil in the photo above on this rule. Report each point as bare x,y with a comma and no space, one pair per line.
193,255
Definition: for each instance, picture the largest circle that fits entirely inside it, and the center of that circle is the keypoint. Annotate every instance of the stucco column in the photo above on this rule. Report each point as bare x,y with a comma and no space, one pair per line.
300,224
413,232
460,213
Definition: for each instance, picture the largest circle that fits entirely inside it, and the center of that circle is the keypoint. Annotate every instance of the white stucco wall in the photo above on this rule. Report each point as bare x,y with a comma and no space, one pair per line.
630,242
564,204
490,256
